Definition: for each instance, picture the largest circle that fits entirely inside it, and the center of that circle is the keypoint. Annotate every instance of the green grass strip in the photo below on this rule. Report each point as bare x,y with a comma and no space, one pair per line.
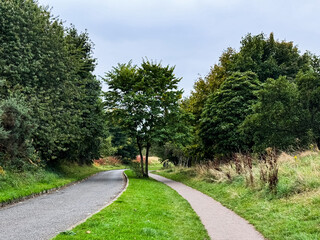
17,185
146,210
293,218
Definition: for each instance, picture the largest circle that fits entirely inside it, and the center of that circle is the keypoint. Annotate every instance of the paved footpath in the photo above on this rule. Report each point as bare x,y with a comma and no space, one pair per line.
45,216
220,222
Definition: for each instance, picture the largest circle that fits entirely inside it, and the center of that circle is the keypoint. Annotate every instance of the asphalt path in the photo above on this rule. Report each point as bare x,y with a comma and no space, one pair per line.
45,216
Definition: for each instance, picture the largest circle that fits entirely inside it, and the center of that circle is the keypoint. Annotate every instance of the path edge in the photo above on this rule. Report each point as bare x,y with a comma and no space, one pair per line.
48,191
259,233
126,179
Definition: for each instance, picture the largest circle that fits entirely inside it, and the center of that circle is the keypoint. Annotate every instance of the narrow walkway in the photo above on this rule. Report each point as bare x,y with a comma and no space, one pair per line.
220,222
45,216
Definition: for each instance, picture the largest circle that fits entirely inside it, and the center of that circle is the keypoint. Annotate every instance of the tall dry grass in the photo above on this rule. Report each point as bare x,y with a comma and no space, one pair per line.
280,173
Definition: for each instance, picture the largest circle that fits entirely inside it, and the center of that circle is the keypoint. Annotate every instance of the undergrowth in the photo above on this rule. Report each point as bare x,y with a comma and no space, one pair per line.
290,211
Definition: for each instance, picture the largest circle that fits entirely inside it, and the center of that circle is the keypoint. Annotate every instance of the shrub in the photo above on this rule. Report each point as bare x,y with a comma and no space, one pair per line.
16,149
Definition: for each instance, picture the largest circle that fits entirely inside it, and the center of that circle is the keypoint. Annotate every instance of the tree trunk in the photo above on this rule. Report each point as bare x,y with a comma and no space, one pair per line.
141,156
147,158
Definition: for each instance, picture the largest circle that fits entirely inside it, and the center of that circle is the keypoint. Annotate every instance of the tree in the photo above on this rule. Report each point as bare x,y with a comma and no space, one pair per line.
309,96
276,117
51,66
224,111
203,87
143,102
124,146
268,58
174,149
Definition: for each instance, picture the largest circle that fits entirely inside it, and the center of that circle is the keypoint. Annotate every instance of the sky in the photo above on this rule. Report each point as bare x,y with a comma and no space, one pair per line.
188,34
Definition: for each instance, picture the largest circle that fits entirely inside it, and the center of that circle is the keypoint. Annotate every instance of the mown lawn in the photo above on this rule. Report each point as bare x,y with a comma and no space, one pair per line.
146,210
14,185
293,213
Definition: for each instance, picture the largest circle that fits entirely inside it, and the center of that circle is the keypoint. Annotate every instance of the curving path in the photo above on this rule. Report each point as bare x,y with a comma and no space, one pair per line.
45,216
220,222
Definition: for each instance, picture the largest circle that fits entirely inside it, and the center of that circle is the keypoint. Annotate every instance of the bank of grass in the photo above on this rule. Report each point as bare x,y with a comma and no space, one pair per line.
15,185
146,210
154,163
292,213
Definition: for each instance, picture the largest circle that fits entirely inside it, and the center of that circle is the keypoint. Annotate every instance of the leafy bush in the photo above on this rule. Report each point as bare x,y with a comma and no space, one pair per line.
16,150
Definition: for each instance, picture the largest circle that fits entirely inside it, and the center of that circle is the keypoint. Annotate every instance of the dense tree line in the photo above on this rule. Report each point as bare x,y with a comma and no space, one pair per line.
50,106
264,95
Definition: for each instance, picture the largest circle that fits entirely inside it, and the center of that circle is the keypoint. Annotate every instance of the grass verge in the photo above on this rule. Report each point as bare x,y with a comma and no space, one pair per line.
293,213
15,185
146,210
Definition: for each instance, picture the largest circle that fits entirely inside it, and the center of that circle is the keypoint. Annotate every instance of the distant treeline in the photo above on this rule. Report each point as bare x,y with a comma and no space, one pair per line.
50,105
266,94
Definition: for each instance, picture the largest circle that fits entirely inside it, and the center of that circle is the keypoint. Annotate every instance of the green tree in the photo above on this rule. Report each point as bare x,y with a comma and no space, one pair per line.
143,102
124,146
51,66
276,118
174,148
268,58
223,113
203,87
309,95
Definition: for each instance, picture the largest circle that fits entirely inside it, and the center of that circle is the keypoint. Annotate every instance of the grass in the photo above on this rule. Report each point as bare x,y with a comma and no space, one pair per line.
15,185
154,163
292,213
146,210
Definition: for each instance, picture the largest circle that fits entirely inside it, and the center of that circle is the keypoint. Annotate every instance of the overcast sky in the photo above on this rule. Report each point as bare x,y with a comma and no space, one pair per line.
190,34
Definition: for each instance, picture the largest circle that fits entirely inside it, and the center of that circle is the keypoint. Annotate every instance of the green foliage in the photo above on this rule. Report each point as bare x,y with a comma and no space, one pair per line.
276,118
143,102
16,150
211,83
224,112
124,147
309,95
51,66
218,113
268,58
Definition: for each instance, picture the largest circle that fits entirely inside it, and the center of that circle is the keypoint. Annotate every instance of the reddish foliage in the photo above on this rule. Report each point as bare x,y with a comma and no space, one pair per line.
107,161
138,159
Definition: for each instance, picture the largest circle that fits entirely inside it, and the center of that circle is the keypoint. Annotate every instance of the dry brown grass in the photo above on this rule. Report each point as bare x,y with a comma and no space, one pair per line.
107,161
296,174
151,160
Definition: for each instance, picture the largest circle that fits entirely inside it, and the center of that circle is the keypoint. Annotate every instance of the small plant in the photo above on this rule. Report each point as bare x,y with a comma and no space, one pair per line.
248,165
68,233
238,164
2,171
269,169
243,163
135,167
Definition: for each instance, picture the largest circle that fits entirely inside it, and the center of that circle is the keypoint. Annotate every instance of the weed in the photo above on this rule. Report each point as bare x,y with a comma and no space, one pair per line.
272,168
68,233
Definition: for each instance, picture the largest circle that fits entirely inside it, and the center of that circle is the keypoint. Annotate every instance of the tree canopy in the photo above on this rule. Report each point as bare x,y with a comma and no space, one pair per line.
50,68
143,101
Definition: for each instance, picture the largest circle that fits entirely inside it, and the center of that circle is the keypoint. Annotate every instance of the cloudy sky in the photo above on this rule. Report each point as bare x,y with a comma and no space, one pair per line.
190,34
